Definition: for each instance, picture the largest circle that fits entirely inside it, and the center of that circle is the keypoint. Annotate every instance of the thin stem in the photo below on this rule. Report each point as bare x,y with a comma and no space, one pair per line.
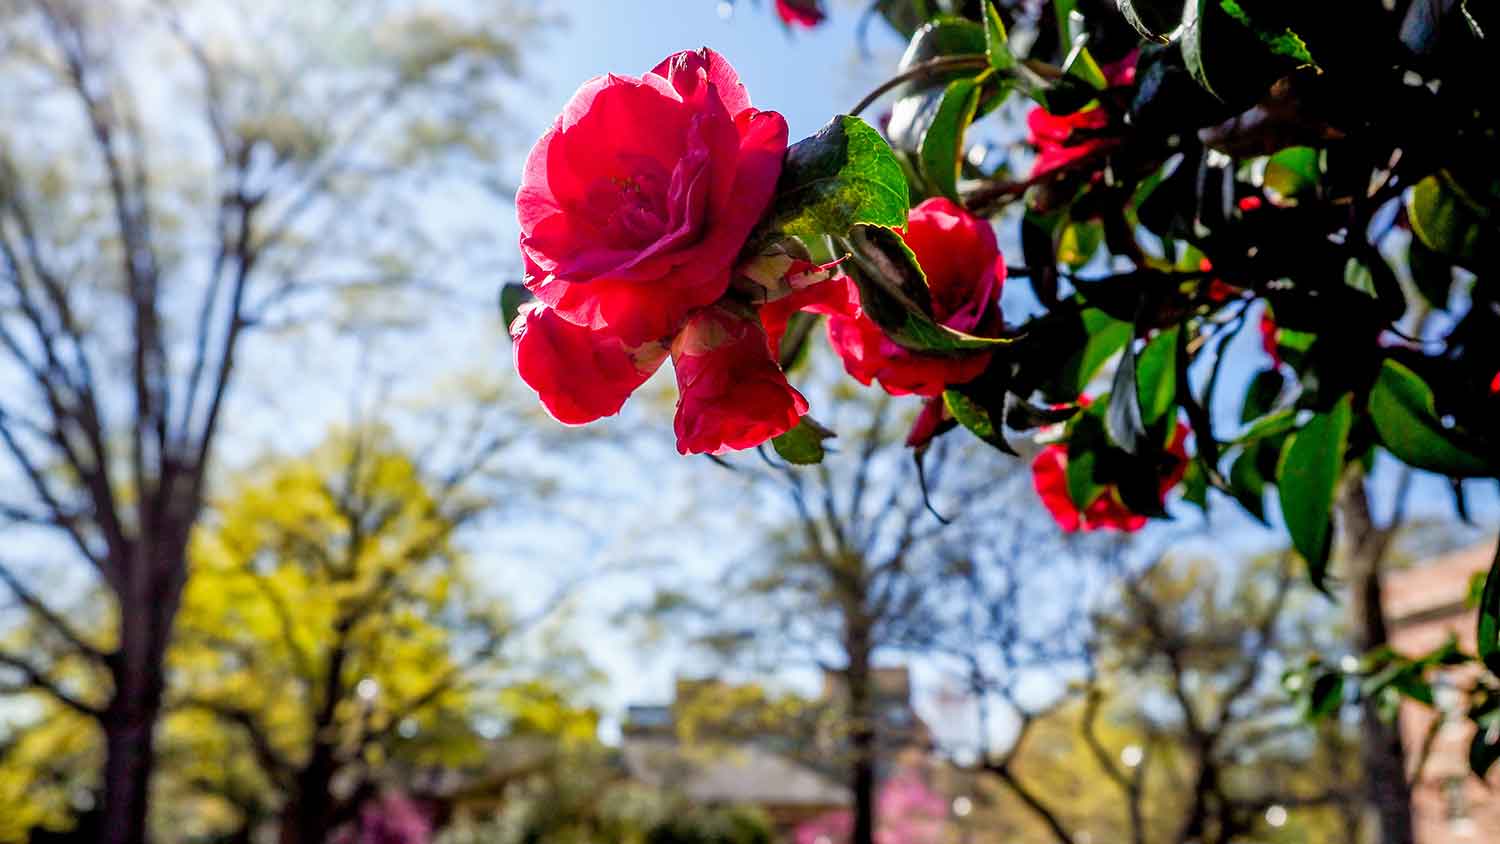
919,71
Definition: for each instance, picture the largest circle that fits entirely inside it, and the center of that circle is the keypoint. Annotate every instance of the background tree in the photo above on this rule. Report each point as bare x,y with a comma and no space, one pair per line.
1179,729
173,176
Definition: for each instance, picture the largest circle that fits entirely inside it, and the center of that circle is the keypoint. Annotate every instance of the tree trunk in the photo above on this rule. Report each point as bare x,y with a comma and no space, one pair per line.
149,591
862,735
1382,756
308,818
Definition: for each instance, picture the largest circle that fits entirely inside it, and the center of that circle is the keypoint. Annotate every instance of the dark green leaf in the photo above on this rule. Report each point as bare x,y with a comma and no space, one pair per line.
803,445
1124,420
893,291
512,297
996,44
841,177
942,149
1484,751
1404,413
1153,19
1489,618
1156,375
970,414
1106,336
1292,172
1450,218
1307,479
1264,389
1431,273
1324,696
1247,485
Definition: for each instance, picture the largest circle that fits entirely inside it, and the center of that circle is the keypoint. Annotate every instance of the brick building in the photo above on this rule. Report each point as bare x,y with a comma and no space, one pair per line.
1425,606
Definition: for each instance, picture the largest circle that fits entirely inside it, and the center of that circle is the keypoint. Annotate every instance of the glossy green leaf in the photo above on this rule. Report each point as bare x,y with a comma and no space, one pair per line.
512,297
1248,485
1404,414
893,291
970,414
1153,19
1450,219
803,445
1106,336
942,149
1261,396
1156,376
843,176
1292,172
996,43
1078,242
1307,480
1489,618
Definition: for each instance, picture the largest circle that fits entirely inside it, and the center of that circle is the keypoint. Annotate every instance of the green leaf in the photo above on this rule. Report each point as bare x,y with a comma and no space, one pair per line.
1272,425
803,445
1324,696
1307,479
1489,618
1247,485
1484,751
1292,172
512,297
1106,336
1079,241
996,43
893,291
1153,19
1080,65
1156,375
1449,219
969,414
844,176
1144,390
1404,413
1228,57
942,150
1261,396
1282,40
1431,273
946,35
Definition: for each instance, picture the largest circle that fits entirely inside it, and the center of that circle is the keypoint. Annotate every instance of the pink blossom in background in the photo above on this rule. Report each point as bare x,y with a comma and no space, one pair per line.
907,811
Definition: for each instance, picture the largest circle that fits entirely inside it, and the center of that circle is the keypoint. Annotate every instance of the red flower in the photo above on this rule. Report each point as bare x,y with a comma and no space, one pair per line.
635,203
1249,203
1495,385
1049,474
965,272
1053,135
1270,336
1219,290
804,13
732,393
1057,148
580,375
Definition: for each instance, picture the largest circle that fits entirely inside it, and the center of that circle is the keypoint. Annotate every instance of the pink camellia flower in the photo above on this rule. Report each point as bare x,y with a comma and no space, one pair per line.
804,13
1049,474
1053,137
732,394
633,208
1065,141
965,273
635,203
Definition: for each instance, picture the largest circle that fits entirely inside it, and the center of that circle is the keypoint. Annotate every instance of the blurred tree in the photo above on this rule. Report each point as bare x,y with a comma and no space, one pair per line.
1180,731
847,553
331,642
173,176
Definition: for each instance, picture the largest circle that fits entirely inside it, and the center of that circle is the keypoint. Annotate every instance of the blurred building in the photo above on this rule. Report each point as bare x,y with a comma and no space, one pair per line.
1426,606
725,744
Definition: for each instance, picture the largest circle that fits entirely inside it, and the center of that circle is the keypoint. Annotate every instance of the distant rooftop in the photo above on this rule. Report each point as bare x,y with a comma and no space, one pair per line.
739,774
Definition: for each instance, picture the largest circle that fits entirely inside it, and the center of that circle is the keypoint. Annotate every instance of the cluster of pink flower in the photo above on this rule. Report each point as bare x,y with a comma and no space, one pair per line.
635,210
